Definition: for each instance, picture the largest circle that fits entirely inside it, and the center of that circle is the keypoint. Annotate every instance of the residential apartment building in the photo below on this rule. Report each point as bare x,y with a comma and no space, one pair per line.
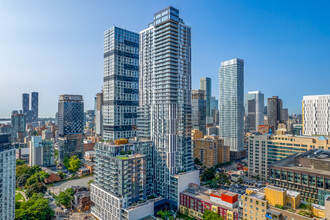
41,152
198,109
99,114
123,178
211,151
308,173
18,121
165,99
7,177
316,115
264,150
254,110
121,83
231,104
260,204
195,200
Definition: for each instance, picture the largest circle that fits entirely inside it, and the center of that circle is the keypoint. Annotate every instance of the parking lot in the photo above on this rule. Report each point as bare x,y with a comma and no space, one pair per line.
61,186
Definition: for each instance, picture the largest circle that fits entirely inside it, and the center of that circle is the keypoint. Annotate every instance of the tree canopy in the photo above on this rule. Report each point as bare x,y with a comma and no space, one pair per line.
209,215
74,163
65,198
35,208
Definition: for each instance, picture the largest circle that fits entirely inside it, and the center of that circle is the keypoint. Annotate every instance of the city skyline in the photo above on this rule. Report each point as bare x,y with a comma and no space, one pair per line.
276,45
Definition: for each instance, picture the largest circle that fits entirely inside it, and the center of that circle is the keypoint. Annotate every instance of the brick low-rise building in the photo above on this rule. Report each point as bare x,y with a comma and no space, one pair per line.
195,200
211,151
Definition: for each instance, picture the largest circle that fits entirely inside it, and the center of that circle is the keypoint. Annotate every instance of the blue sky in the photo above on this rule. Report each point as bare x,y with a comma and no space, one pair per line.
56,47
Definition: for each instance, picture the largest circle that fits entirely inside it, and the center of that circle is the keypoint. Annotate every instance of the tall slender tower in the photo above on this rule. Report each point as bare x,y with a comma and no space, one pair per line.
25,103
274,110
34,106
205,84
121,83
231,103
165,96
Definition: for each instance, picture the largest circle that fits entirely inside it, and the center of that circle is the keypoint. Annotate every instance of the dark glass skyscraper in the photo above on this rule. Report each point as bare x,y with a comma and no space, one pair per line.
70,115
70,126
274,110
34,106
198,106
25,103
205,84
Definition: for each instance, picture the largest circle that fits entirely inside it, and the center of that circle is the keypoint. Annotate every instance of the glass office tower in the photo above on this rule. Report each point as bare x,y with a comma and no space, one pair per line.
231,103
254,110
121,83
205,84
70,126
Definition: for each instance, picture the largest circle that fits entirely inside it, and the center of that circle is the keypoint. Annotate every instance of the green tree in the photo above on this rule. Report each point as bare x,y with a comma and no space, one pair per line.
74,164
221,179
21,180
34,133
164,214
35,208
66,162
65,198
20,162
209,215
23,169
208,174
35,188
61,174
197,161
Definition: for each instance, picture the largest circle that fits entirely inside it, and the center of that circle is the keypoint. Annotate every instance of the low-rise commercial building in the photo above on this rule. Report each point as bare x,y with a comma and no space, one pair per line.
308,173
260,204
211,151
264,150
195,200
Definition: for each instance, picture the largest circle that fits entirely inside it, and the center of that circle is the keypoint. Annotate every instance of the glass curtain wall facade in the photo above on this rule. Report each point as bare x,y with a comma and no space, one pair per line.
34,106
205,84
254,110
231,101
165,95
121,83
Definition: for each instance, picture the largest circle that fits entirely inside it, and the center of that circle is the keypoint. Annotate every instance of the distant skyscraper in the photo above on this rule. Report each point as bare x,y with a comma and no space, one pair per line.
121,83
316,115
99,114
25,103
205,84
198,108
34,106
231,103
284,115
274,109
254,110
165,99
70,126
7,177
18,121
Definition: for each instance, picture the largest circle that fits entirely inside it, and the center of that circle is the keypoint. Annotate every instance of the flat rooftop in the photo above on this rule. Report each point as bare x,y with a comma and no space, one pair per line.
204,194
